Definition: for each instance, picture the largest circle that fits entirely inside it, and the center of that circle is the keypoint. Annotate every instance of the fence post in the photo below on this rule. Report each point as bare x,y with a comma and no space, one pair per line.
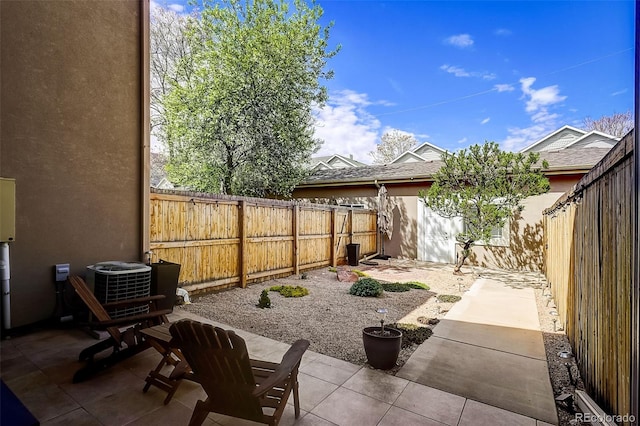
296,239
242,226
334,237
351,226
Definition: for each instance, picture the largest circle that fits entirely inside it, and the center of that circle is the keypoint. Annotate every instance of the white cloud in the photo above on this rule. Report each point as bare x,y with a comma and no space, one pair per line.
461,72
504,87
461,40
486,120
457,71
175,7
503,32
346,127
539,98
619,92
462,141
178,8
521,137
543,122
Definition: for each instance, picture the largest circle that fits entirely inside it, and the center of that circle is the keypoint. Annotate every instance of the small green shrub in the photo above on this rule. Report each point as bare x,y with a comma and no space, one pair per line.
398,287
290,291
418,285
366,287
448,298
359,273
264,301
412,334
395,287
332,269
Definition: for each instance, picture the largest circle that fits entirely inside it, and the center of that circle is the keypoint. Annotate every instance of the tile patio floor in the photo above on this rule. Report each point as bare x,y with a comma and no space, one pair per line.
38,368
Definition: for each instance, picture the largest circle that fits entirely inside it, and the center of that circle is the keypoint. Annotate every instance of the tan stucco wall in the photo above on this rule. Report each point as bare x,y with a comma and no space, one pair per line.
526,238
525,251
72,136
403,198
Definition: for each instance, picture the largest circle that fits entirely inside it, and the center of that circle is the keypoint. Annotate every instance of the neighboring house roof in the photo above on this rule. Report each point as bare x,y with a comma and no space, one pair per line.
560,162
423,152
408,157
568,137
573,160
594,139
409,172
335,161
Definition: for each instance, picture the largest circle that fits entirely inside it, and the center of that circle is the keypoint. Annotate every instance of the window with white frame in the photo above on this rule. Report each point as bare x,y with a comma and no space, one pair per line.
499,236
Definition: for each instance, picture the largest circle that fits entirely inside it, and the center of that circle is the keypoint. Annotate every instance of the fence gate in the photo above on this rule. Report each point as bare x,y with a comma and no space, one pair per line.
436,235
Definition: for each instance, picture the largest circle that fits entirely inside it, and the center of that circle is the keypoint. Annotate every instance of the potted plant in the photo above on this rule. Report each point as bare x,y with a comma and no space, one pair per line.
382,344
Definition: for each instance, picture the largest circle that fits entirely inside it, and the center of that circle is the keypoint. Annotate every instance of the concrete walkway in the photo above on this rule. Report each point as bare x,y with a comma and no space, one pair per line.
489,348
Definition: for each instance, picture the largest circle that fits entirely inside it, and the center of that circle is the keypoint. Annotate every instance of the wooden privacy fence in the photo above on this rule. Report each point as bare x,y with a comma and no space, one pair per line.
223,241
588,235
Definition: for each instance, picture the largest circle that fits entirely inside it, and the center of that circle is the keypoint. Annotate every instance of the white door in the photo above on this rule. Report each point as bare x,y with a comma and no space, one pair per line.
436,235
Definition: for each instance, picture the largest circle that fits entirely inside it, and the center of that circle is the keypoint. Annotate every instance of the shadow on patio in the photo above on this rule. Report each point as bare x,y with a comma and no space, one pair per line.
38,367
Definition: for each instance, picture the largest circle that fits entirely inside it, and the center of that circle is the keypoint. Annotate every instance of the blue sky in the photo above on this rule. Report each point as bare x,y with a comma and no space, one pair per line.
456,73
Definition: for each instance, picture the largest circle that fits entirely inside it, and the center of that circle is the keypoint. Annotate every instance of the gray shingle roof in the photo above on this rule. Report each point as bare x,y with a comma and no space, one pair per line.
400,171
563,160
573,159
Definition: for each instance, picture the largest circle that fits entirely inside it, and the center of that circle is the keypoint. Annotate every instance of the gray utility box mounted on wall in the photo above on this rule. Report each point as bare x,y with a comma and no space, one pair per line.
7,210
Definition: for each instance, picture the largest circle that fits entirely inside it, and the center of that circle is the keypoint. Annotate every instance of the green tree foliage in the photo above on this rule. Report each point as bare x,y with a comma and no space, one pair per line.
485,186
242,123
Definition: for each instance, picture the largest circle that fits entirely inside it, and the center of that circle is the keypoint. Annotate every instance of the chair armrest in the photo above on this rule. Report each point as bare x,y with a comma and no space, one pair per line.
290,361
131,319
132,302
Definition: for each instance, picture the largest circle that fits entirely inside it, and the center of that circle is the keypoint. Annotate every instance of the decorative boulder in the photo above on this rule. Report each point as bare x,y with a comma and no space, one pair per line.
347,276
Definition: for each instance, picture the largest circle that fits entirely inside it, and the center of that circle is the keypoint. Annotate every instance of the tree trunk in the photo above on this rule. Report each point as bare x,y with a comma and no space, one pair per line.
462,256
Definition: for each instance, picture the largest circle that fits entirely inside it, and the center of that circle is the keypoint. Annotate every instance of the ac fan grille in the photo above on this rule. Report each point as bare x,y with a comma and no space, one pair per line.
116,287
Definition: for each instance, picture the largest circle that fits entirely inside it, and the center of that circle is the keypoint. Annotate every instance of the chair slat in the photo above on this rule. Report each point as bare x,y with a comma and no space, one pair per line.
235,384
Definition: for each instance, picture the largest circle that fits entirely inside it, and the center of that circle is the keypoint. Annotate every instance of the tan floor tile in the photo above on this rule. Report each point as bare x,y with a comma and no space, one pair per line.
330,361
112,381
141,364
475,413
15,367
287,419
174,414
78,417
188,393
312,391
310,419
42,397
326,368
346,407
8,350
376,384
432,403
399,417
124,406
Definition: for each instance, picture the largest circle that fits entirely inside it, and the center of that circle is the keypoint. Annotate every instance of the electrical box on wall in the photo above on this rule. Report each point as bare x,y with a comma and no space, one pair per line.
7,210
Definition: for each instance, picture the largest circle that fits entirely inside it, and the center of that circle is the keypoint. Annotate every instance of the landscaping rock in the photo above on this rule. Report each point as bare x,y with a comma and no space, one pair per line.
347,276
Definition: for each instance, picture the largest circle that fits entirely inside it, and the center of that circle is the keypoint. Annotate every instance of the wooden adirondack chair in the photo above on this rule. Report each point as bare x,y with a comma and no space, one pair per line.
101,320
236,385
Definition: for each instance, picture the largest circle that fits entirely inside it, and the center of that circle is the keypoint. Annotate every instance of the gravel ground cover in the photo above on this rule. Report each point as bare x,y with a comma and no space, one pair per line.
332,319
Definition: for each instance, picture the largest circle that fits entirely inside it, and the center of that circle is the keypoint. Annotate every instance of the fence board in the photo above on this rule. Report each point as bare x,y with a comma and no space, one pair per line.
223,241
588,264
